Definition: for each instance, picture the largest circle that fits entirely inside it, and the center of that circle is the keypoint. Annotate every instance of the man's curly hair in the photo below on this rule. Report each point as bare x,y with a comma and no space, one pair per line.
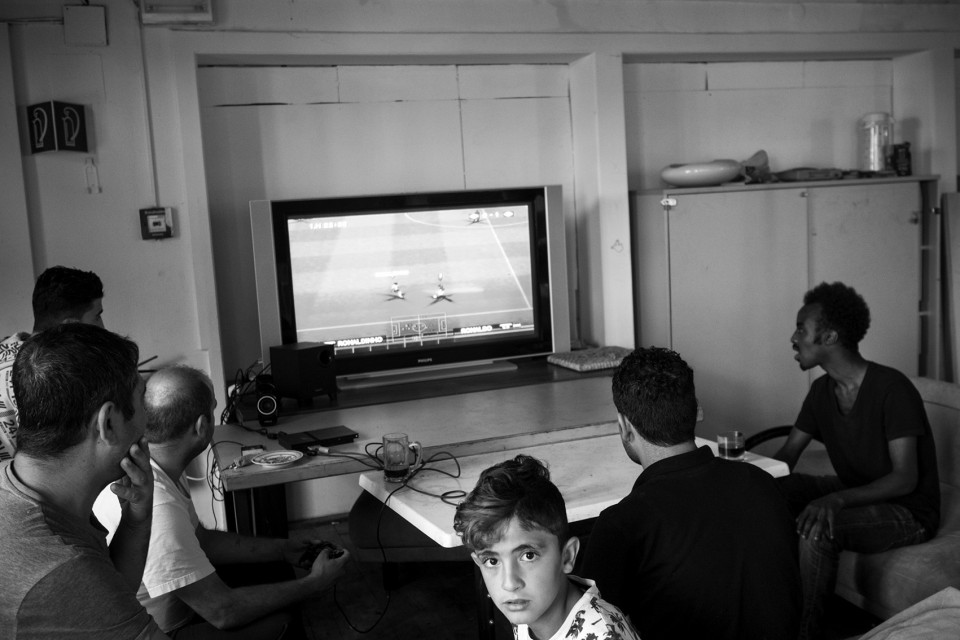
653,389
843,310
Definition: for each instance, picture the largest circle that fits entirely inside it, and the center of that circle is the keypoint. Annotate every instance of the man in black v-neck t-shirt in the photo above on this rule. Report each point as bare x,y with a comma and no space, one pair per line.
872,422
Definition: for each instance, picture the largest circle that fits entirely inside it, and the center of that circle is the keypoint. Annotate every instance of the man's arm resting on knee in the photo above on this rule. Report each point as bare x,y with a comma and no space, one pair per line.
226,608
902,479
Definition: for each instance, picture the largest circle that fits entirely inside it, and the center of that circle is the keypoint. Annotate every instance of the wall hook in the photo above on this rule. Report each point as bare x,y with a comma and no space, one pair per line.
92,175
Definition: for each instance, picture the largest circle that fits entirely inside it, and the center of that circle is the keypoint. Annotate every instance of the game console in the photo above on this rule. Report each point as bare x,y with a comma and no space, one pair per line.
328,437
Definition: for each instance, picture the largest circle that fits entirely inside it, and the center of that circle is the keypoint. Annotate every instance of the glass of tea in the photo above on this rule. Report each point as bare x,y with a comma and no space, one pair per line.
397,454
730,445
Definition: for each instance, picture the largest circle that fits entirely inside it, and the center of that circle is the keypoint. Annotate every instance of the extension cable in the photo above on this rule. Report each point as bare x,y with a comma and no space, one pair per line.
247,453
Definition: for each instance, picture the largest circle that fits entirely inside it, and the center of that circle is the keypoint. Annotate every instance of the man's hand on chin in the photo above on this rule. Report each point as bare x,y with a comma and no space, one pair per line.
135,488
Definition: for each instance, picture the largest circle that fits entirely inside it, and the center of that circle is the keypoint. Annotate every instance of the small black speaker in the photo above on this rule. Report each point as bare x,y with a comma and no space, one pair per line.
268,401
303,370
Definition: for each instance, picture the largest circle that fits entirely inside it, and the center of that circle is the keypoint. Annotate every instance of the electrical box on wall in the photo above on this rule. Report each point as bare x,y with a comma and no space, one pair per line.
84,26
156,223
57,126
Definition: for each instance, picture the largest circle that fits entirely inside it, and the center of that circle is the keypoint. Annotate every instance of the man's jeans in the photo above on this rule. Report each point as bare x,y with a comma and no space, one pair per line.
869,529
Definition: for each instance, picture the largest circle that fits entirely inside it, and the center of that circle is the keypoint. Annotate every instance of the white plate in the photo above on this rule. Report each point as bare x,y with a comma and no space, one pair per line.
276,459
704,174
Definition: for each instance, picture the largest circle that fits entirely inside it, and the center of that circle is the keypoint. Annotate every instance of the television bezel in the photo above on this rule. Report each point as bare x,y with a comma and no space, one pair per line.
268,225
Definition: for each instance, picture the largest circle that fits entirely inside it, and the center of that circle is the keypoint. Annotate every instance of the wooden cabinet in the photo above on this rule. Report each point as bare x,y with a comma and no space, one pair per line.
740,258
869,237
737,267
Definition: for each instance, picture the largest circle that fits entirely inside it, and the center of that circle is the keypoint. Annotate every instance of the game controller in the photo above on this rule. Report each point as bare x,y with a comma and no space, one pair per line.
306,560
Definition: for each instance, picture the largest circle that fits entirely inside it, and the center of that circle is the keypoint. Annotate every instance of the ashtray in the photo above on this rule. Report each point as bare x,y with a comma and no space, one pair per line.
276,459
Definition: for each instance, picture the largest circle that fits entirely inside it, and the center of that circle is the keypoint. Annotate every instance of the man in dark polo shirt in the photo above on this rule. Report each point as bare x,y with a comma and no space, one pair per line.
702,547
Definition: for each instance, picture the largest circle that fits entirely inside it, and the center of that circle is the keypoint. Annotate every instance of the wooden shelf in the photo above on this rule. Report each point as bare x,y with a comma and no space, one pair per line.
766,186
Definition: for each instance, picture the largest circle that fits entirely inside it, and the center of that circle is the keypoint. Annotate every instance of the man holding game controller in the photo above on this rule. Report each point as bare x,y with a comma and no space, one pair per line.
181,588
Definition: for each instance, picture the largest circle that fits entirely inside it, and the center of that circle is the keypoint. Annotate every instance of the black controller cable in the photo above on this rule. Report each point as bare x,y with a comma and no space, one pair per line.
373,460
447,497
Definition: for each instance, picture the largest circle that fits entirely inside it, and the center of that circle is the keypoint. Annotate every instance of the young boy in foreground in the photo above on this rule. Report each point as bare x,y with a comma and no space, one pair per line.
515,524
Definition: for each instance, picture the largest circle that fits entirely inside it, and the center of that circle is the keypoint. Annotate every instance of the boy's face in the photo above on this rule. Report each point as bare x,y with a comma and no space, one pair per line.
525,573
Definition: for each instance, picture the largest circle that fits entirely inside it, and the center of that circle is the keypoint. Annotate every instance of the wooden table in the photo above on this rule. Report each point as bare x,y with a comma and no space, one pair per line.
592,473
463,424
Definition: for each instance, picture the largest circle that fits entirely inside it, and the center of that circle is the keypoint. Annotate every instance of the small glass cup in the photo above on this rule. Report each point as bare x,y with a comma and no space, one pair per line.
396,456
730,445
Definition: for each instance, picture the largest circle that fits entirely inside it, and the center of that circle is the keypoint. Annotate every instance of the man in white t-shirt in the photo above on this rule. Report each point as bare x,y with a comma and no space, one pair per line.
181,588
61,294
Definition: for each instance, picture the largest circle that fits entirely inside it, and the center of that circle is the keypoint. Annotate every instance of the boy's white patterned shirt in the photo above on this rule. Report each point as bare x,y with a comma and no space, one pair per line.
591,618
8,404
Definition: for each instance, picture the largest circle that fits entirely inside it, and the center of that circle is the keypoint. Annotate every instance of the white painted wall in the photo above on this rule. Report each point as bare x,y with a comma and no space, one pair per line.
148,290
149,129
16,258
604,249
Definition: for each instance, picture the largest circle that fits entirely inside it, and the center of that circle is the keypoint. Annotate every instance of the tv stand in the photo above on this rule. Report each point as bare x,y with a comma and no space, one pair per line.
360,392
426,374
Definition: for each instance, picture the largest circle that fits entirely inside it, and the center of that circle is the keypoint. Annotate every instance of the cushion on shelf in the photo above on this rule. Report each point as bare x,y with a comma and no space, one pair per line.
589,359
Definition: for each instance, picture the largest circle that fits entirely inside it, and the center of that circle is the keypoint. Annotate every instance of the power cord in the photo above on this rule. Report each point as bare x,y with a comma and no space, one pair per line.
371,459
244,381
364,459
447,497
383,554
451,497
214,481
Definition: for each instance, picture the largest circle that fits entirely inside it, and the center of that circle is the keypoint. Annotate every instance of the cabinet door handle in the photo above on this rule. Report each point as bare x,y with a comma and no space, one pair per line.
914,217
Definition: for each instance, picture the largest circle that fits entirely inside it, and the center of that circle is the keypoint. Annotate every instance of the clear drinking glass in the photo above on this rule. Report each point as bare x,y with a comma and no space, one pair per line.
396,456
730,445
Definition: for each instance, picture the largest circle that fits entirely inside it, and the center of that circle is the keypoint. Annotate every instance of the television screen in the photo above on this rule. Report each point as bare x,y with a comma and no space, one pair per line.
417,280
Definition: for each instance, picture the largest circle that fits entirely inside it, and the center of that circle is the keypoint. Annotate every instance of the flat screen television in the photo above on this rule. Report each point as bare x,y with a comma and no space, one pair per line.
414,286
